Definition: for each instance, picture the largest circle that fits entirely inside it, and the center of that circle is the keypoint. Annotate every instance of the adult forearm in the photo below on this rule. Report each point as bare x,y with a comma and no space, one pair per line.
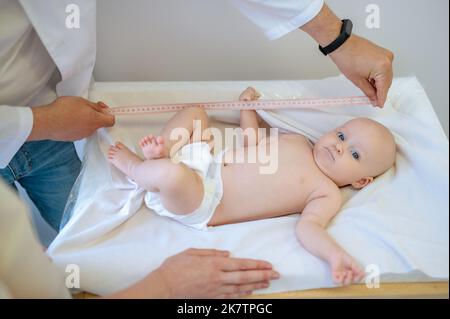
324,28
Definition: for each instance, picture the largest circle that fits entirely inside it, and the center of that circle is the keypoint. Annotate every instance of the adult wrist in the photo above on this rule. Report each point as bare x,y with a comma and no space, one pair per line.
345,33
324,28
40,129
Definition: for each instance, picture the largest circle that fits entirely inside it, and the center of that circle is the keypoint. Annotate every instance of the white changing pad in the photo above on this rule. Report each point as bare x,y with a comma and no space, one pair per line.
399,222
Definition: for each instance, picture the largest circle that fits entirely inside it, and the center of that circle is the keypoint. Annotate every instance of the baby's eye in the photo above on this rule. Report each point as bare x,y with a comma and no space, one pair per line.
355,155
341,136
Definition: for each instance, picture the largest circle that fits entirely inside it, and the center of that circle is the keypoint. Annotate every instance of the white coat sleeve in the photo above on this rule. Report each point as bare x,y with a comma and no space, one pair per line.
16,123
278,17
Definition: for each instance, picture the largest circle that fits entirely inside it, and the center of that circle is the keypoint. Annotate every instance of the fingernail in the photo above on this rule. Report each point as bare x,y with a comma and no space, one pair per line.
275,275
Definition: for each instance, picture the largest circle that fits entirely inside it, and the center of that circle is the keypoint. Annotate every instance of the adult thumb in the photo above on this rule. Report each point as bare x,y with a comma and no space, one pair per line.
106,120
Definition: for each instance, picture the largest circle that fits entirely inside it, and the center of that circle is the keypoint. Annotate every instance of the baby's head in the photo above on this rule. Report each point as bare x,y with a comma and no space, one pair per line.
356,152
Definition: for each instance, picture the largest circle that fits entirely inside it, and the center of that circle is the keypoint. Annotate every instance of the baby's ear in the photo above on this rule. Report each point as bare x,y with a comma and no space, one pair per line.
362,182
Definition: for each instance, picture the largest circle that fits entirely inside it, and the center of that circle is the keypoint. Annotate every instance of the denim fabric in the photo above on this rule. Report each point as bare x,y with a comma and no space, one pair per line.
47,171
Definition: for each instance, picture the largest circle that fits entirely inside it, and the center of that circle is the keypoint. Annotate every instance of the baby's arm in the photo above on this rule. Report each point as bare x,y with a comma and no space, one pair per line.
249,118
311,232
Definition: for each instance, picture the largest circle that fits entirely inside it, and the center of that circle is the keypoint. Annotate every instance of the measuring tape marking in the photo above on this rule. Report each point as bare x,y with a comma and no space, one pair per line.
243,105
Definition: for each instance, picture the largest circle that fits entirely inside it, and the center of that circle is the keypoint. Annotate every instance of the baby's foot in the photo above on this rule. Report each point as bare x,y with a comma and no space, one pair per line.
153,147
250,94
122,158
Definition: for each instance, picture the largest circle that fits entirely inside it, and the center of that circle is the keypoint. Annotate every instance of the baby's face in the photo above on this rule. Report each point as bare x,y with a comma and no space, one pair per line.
355,152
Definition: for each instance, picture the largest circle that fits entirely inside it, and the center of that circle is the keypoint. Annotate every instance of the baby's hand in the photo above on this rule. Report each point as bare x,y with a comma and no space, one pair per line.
345,269
250,94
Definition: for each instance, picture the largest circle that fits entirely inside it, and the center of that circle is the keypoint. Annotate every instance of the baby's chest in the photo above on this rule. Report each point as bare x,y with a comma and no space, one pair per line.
296,161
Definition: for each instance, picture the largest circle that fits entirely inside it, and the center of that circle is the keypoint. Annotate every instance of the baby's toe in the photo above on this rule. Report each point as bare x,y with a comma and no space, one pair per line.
119,145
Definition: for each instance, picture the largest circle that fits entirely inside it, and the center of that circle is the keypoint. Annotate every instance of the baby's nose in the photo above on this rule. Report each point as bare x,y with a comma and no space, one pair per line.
339,148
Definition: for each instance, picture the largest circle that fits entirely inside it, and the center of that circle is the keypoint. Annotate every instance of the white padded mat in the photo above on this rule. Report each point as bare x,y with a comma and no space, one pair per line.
398,223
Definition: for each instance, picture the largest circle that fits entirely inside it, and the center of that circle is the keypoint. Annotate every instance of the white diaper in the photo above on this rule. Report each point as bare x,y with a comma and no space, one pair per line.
198,157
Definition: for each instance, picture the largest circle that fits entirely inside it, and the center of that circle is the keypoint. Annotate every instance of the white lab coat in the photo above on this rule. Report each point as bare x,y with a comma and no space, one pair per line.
276,18
72,50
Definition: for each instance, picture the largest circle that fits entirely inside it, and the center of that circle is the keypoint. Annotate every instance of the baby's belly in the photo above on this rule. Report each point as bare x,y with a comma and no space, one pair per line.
250,195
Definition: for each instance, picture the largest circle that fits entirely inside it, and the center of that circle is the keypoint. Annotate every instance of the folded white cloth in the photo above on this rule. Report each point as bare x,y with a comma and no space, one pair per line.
399,223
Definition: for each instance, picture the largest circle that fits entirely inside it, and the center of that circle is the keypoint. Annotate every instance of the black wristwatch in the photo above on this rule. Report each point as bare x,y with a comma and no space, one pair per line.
346,31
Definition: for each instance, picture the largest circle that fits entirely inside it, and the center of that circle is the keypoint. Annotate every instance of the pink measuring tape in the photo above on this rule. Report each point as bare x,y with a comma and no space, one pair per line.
243,105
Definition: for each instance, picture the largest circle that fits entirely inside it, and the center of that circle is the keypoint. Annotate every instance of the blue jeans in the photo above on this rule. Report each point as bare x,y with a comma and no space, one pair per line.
47,171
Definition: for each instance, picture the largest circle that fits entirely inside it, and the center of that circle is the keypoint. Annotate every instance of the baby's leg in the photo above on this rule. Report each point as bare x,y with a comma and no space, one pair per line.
179,187
162,146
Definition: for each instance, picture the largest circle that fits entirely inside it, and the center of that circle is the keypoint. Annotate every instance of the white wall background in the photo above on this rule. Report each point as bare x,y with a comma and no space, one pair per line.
170,40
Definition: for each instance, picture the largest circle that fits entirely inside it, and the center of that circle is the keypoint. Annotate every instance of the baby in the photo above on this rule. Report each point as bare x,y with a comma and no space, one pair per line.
202,190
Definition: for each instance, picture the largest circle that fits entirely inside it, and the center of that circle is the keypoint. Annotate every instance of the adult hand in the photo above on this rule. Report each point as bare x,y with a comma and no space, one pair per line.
367,65
203,273
69,118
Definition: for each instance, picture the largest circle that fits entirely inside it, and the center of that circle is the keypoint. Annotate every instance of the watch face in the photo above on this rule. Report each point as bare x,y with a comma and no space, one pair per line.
348,26
346,31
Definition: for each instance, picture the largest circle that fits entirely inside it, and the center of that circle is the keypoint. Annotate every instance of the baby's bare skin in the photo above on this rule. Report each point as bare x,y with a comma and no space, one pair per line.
306,181
296,181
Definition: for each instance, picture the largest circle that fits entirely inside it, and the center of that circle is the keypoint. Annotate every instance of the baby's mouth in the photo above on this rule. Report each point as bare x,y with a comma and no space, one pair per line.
331,154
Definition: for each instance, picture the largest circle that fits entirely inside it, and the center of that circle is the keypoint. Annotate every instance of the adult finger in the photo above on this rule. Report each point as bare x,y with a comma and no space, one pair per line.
102,105
106,120
233,264
234,296
248,276
208,252
382,84
369,90
232,289
95,106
